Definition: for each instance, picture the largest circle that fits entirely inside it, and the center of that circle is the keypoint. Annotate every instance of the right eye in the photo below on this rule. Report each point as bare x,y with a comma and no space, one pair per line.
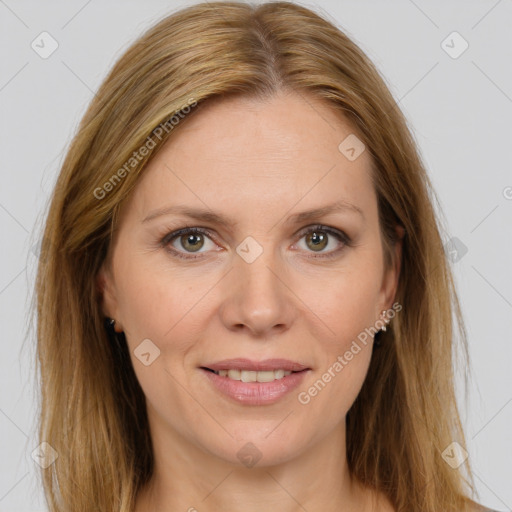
191,240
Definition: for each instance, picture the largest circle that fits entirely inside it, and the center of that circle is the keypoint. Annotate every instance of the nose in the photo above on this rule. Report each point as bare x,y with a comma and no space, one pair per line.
258,299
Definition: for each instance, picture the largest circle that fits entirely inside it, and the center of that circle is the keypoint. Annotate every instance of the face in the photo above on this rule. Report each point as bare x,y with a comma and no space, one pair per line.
256,282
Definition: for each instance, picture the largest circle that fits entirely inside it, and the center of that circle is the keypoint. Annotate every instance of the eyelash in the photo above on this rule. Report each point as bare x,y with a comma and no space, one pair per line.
339,235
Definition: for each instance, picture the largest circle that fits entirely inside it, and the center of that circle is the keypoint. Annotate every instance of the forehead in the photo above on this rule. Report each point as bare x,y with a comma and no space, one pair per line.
254,155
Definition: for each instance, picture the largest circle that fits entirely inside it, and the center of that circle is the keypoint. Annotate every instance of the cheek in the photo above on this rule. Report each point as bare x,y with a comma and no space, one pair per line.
347,304
153,298
347,307
336,383
159,307
167,307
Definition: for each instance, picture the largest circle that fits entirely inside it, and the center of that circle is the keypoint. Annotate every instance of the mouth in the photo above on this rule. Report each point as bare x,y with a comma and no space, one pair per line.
251,382
253,376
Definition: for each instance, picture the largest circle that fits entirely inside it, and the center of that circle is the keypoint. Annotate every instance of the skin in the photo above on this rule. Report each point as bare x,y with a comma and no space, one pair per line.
257,163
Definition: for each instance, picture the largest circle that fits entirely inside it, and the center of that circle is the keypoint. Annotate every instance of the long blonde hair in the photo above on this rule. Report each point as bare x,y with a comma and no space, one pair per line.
92,407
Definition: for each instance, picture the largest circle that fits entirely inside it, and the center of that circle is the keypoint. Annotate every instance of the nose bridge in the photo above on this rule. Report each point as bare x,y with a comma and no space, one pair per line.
259,279
257,298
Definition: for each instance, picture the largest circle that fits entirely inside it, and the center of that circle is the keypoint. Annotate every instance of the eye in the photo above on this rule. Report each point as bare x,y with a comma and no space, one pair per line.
191,240
317,238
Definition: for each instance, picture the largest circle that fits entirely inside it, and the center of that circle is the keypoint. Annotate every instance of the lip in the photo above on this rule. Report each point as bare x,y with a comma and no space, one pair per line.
255,393
255,366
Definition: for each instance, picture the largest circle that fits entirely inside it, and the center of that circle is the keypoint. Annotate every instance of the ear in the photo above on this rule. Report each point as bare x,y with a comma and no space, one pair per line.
107,293
392,274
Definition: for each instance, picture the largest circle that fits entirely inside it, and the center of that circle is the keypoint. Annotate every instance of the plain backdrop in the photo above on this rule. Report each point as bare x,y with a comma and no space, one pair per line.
454,88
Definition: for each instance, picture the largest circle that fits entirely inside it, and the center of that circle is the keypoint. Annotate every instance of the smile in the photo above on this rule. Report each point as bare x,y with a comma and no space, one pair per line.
249,387
252,376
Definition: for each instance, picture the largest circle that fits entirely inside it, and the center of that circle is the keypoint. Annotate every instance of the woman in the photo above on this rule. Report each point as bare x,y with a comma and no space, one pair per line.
245,211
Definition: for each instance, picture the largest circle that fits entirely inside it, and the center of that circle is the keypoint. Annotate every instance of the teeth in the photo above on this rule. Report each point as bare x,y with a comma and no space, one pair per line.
249,376
233,374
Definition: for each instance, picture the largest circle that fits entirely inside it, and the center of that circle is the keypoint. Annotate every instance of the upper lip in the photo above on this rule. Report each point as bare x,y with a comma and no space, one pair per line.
250,365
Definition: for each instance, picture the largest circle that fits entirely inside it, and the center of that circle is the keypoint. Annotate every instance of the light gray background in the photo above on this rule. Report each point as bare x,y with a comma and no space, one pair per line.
460,111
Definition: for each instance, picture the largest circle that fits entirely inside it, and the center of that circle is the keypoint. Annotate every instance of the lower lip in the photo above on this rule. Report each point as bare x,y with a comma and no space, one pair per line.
256,393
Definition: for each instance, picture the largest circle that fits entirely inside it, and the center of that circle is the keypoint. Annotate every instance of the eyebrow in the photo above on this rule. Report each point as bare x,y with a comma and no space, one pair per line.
210,216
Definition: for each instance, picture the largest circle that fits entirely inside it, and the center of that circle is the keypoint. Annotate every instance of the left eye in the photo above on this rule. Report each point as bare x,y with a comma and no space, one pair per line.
319,238
193,239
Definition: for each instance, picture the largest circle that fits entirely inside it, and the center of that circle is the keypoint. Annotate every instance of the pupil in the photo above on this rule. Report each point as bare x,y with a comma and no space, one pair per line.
192,240
318,239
